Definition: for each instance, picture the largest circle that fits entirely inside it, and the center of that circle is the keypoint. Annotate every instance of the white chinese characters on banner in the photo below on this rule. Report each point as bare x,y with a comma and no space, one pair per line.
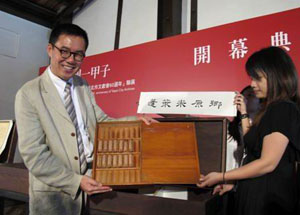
238,48
202,103
116,84
96,70
201,55
280,39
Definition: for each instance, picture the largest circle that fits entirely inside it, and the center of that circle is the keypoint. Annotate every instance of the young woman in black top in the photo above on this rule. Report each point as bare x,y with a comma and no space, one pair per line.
266,182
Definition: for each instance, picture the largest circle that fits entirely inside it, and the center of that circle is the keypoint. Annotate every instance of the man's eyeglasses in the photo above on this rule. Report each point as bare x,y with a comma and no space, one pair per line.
67,53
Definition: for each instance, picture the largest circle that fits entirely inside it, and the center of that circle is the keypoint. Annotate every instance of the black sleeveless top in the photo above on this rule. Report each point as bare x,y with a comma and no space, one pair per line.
275,192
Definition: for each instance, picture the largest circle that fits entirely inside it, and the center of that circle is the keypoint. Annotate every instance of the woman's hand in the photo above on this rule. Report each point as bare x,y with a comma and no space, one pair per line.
240,102
210,179
222,188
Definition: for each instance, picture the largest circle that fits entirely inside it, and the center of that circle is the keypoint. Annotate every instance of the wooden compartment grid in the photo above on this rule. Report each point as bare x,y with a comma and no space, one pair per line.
132,153
118,154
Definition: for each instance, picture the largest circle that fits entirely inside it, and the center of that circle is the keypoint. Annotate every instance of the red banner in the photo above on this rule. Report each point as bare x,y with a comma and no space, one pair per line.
207,60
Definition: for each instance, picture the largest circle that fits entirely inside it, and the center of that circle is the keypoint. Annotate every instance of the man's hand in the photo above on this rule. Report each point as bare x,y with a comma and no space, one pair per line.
90,186
147,119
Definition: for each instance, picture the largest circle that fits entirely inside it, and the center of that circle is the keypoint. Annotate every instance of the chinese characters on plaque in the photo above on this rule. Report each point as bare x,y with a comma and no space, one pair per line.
204,103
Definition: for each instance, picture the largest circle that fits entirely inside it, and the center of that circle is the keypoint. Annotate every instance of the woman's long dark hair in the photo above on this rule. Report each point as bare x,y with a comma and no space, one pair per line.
281,74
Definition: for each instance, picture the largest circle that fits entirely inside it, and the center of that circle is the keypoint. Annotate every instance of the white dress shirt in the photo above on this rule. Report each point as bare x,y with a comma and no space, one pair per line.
60,86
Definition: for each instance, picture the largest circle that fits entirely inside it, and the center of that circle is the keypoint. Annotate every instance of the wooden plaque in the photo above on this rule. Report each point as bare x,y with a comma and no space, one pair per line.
132,153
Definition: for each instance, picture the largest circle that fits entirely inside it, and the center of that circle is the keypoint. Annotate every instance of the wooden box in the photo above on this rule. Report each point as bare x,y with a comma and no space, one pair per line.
132,153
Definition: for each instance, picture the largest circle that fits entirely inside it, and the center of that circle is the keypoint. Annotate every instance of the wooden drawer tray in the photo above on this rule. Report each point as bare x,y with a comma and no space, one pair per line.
132,153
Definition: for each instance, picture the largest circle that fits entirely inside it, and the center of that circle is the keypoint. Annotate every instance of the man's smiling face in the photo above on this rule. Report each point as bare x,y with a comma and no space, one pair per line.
62,67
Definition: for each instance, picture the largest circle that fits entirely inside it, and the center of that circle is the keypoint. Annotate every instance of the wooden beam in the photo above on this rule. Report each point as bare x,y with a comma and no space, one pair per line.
29,11
169,18
194,11
67,13
118,25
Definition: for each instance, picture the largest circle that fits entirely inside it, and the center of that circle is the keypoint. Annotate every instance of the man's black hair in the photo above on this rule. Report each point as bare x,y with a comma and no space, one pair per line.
68,29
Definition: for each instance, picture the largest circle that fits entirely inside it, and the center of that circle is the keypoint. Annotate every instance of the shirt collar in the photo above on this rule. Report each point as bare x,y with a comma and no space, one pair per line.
58,81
